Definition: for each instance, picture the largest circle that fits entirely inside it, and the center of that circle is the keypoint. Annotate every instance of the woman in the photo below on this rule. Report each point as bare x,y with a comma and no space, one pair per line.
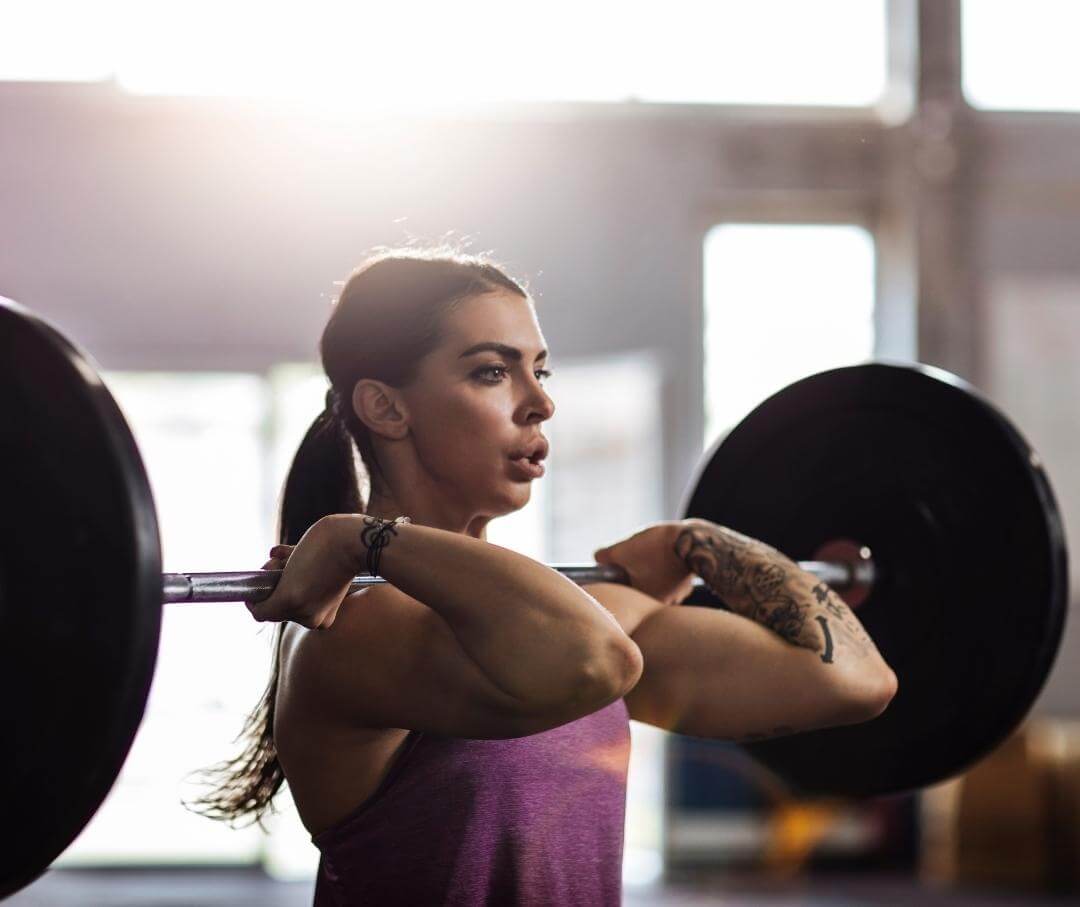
460,734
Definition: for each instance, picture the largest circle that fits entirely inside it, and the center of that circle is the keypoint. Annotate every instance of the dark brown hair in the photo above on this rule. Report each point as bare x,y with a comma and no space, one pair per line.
388,317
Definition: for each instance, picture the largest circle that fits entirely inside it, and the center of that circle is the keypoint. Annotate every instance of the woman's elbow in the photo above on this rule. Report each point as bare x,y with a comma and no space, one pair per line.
868,694
882,690
621,667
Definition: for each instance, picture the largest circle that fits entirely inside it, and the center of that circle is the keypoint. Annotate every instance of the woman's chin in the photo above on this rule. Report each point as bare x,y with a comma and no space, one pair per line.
516,496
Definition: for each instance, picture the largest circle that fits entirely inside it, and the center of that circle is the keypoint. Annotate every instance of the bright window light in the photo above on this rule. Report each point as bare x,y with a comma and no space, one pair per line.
420,55
200,438
782,301
1021,55
57,40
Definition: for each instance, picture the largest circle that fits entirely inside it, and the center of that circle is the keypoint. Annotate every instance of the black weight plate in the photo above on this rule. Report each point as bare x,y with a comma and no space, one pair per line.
80,592
970,604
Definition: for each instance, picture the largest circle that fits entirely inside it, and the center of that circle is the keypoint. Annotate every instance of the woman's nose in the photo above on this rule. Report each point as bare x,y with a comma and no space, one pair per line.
540,404
547,405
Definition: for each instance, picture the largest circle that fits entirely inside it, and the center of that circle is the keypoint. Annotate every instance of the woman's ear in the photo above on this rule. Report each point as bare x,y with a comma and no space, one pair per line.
381,408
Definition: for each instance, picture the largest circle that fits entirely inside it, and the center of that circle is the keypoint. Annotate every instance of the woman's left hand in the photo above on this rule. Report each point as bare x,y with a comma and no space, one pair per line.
649,557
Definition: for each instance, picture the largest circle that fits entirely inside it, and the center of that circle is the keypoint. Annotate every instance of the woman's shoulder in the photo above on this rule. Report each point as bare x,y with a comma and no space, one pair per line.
358,611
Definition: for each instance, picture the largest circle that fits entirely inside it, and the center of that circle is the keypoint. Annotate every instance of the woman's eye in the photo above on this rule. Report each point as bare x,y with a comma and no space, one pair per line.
541,373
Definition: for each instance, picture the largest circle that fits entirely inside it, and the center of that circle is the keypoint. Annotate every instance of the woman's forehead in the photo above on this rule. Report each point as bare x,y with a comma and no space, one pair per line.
497,317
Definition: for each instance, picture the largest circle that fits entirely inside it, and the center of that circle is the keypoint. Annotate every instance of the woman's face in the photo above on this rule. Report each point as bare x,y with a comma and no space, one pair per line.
478,399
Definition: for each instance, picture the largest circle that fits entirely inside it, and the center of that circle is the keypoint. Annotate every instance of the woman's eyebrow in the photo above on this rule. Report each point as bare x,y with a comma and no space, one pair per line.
502,349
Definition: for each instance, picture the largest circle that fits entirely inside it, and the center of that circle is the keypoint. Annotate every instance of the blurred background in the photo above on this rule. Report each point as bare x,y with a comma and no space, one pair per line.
708,200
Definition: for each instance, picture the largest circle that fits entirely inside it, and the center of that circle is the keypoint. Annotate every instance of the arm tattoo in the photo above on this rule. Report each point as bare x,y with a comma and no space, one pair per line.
844,624
758,582
826,656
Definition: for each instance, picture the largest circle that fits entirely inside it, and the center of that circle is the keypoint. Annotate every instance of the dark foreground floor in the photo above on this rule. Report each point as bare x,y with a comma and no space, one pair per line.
251,888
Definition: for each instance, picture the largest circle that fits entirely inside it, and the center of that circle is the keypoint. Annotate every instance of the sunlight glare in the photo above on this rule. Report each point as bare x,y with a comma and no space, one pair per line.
391,56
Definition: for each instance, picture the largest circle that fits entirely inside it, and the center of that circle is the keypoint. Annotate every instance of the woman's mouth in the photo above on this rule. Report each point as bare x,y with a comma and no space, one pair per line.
527,469
528,459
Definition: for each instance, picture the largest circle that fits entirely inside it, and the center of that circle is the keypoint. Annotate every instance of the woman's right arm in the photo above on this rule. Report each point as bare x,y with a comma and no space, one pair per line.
537,635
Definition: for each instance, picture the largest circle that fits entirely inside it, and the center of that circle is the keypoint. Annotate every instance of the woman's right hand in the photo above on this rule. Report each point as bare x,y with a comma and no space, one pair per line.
314,580
649,558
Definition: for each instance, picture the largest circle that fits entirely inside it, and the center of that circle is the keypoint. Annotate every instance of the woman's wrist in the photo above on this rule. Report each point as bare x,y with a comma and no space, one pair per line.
355,535
681,530
377,535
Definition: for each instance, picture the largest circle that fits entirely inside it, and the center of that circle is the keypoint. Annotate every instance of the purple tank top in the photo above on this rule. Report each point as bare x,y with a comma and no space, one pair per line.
534,820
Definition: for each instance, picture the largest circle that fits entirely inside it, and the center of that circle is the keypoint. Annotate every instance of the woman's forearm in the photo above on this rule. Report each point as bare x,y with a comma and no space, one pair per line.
531,630
759,582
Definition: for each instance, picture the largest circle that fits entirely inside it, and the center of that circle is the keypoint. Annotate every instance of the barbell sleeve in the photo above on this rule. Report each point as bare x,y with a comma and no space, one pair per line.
256,585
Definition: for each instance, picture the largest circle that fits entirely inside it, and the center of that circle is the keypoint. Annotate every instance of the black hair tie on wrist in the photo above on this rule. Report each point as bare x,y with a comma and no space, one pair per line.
377,537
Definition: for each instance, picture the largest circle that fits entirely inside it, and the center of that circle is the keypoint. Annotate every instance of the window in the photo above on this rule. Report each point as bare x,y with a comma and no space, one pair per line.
200,438
782,301
1021,55
771,52
33,46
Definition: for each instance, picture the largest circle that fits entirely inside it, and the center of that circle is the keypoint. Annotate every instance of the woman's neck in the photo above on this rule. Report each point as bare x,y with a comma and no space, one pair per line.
387,506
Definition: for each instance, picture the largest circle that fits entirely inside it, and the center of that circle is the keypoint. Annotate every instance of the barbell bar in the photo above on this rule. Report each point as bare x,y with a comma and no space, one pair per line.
258,584
897,482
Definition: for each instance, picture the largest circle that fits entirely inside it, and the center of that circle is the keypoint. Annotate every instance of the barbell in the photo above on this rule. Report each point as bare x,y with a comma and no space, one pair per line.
851,575
896,482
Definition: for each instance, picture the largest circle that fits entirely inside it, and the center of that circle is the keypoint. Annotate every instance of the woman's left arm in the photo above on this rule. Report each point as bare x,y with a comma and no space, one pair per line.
799,660
756,581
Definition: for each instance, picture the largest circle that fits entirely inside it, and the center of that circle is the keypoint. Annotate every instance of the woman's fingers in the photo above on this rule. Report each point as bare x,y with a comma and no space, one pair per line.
320,619
315,608
275,563
275,608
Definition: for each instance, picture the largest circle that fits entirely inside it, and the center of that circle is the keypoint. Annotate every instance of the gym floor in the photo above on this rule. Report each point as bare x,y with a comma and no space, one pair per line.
251,888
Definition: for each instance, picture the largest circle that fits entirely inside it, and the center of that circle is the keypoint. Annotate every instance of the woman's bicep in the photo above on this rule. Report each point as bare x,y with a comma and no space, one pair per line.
711,673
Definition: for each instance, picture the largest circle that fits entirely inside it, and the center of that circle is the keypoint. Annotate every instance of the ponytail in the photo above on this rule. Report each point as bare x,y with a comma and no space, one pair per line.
323,476
322,480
